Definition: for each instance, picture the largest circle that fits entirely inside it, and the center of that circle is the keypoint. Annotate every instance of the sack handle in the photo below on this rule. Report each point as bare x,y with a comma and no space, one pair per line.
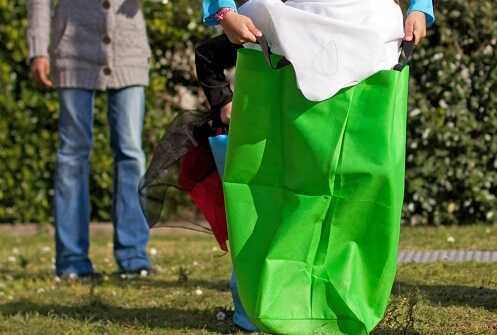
406,52
406,47
266,50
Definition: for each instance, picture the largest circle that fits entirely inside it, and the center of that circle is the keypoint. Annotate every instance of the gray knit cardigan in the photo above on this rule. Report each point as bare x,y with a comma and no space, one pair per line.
92,44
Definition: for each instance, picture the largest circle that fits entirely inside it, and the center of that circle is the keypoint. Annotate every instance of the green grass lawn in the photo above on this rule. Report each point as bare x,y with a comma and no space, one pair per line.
191,288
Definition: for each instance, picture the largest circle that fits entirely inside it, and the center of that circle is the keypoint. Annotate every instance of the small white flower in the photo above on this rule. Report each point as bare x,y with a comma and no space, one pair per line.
438,56
451,239
57,279
220,316
15,251
40,290
215,249
415,112
143,273
11,259
106,278
192,25
451,208
488,231
106,260
10,297
153,251
73,276
45,249
198,292
195,263
442,103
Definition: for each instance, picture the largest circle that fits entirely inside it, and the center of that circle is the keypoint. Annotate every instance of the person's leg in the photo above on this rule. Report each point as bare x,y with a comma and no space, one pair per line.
240,317
72,204
212,57
131,233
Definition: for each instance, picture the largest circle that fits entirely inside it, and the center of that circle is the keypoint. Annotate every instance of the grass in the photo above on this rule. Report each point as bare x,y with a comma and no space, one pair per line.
191,288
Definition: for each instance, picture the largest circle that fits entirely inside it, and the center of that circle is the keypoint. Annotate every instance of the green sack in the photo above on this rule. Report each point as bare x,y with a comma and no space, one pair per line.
313,195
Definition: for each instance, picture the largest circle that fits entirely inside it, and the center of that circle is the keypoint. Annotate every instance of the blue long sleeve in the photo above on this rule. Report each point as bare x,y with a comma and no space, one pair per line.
425,6
210,7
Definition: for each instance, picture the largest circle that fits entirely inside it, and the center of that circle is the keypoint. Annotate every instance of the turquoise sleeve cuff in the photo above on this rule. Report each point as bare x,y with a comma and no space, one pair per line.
425,6
210,7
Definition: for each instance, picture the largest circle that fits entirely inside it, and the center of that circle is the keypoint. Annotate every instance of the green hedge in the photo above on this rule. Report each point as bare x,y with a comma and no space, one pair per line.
452,145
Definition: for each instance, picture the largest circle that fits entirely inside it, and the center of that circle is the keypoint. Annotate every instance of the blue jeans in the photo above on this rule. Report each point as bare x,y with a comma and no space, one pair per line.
72,203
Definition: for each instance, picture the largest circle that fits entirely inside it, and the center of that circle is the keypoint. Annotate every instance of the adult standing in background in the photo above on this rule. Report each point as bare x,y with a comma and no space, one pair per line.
80,47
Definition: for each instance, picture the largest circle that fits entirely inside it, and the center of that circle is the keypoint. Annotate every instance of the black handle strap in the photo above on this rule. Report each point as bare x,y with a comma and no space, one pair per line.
266,50
407,50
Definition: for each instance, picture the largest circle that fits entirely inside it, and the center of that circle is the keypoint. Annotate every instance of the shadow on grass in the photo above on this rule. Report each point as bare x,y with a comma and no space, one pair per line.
24,274
154,282
164,318
217,285
386,331
149,317
452,295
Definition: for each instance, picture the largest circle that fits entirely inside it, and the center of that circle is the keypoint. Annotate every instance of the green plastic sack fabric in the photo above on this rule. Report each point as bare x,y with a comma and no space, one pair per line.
313,194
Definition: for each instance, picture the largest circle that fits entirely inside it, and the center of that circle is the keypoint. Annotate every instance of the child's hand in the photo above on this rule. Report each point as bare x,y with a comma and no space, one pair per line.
239,28
226,113
415,27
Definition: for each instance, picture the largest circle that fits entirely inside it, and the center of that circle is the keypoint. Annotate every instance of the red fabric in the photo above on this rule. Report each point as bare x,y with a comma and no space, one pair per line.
199,177
196,165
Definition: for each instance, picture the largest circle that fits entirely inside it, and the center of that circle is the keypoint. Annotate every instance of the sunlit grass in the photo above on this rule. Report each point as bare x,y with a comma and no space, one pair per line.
190,288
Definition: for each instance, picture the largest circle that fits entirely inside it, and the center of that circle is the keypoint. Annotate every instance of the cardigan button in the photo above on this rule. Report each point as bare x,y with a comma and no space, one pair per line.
107,39
107,71
106,4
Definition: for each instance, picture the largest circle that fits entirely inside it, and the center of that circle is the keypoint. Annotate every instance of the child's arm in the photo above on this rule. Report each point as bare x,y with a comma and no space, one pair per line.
419,14
239,28
424,6
212,57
